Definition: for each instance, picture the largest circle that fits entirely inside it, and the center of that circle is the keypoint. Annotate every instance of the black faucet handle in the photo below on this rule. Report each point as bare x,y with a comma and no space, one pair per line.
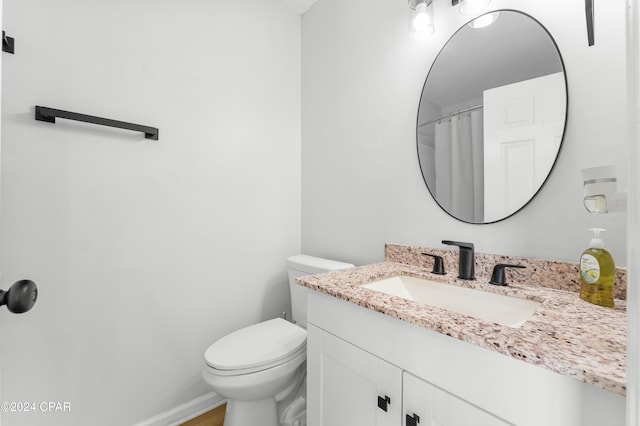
498,276
438,266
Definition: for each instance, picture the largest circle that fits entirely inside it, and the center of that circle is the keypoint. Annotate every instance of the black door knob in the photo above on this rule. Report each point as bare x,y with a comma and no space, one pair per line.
20,297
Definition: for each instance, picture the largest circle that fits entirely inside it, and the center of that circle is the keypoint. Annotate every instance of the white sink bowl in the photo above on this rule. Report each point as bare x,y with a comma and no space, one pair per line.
492,307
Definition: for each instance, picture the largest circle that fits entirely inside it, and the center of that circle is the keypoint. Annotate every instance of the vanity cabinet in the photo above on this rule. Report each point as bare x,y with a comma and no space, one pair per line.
358,357
350,386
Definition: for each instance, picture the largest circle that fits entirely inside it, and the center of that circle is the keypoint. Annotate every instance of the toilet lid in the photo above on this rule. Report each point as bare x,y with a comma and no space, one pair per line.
256,345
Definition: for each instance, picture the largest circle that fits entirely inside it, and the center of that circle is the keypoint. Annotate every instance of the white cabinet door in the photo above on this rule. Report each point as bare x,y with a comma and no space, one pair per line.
427,405
348,386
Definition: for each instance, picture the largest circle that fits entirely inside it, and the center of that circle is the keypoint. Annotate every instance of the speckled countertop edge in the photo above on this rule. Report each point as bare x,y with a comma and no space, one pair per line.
565,335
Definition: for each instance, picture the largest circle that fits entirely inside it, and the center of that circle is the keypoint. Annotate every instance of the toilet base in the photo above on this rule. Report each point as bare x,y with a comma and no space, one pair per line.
262,412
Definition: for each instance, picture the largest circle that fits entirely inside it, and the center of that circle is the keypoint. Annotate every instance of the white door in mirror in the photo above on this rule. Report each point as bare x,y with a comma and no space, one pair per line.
523,128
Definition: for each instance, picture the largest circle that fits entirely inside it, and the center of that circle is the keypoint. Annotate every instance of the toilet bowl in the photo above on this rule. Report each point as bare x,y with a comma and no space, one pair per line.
251,366
261,365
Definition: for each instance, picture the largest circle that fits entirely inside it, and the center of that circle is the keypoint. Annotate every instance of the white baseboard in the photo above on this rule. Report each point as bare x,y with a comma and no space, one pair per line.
186,411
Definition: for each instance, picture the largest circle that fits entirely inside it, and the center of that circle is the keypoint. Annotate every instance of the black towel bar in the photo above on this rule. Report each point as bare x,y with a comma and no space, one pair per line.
49,115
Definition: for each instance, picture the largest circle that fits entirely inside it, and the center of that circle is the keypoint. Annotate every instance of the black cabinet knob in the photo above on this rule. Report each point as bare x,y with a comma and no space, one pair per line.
412,420
383,402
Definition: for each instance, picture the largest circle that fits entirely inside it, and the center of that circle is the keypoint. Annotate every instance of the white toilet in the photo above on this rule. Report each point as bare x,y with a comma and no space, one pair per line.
263,364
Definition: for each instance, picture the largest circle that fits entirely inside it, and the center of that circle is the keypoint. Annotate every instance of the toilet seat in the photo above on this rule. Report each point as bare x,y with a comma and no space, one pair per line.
300,354
256,347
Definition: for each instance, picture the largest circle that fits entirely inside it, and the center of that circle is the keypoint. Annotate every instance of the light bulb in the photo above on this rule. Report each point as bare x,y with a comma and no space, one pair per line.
421,22
473,7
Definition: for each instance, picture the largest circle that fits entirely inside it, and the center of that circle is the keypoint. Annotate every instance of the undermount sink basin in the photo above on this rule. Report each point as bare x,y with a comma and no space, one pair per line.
504,310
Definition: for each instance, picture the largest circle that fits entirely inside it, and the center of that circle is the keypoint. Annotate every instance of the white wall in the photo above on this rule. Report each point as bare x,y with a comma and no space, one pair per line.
145,252
362,77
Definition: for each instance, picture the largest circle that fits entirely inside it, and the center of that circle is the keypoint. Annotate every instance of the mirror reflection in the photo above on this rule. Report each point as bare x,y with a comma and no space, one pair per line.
491,117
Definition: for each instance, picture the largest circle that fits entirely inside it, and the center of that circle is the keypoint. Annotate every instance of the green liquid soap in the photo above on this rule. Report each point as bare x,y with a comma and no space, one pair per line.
597,273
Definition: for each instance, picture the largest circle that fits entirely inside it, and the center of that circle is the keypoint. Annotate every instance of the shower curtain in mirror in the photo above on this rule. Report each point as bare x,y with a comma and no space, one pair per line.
459,166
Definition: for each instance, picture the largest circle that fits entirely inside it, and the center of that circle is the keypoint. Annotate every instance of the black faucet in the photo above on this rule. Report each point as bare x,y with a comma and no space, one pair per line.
466,270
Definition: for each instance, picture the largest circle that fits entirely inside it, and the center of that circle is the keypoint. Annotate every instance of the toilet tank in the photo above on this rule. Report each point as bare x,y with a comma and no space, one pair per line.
299,266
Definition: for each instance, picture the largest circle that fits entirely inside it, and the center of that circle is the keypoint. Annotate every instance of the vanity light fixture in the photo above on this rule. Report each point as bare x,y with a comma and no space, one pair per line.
421,19
472,7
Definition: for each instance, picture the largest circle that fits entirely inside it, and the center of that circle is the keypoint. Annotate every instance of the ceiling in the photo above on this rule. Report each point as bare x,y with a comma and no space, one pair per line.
299,6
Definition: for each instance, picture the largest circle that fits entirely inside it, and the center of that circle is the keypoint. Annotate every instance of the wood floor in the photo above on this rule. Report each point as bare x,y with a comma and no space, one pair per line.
214,417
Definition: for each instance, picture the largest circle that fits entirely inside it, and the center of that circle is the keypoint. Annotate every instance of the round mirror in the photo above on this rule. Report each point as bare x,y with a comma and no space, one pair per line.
492,117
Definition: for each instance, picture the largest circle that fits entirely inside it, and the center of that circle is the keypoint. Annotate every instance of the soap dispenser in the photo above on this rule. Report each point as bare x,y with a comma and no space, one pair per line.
597,272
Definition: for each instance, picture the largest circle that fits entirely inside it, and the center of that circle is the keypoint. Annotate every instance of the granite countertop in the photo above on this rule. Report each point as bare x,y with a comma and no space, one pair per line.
565,335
